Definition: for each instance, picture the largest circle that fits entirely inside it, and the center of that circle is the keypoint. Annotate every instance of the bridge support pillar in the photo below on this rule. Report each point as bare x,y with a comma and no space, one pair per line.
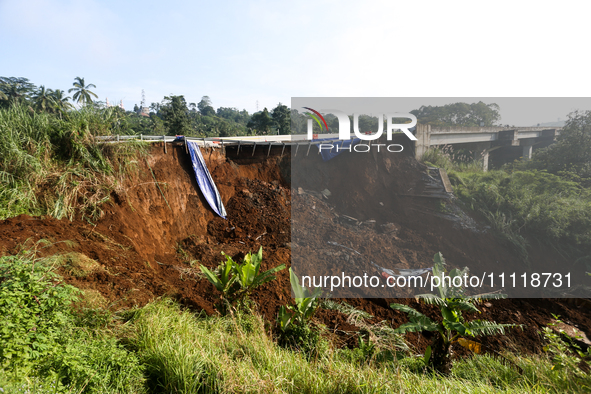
485,154
481,153
527,151
423,141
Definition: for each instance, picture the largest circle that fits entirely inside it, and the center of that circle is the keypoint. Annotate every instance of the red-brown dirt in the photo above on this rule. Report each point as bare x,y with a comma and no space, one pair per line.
149,244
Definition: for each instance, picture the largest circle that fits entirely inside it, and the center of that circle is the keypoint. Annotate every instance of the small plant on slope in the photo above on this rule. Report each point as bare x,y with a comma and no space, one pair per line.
237,281
293,321
451,302
566,354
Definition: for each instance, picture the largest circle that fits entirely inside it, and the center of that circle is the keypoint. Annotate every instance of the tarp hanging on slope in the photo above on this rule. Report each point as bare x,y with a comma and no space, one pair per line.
204,180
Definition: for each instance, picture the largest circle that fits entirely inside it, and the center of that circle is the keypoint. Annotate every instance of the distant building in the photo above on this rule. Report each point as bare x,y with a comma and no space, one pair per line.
108,105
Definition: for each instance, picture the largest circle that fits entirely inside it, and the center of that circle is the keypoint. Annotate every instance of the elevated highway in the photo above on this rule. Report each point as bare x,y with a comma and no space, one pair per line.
509,142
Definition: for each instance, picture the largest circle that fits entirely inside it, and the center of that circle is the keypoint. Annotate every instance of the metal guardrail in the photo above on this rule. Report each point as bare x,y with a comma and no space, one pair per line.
243,143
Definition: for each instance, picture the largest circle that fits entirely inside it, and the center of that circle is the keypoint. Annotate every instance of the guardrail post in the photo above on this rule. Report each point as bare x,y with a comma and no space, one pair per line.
164,139
254,147
269,151
141,137
117,137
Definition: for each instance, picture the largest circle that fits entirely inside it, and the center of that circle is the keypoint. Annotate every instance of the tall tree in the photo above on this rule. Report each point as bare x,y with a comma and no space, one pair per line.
233,114
176,115
459,114
282,118
42,99
155,107
261,122
60,100
205,106
82,93
572,151
16,89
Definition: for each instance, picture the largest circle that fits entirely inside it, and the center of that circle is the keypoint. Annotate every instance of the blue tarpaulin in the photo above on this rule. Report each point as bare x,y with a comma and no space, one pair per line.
338,147
204,180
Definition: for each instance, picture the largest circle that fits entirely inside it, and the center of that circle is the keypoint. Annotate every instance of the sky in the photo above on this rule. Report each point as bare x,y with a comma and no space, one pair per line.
242,52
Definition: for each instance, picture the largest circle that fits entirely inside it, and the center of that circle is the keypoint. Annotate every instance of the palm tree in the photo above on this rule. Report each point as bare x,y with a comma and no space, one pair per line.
42,99
82,93
60,100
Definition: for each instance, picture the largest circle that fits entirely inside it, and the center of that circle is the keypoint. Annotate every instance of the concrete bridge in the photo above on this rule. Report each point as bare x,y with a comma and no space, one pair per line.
498,145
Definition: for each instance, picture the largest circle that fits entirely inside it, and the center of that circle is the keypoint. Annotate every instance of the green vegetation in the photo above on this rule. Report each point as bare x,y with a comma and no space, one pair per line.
52,165
49,346
531,202
306,304
570,156
184,353
566,354
451,301
295,329
459,114
172,116
524,203
56,339
236,281
43,344
82,92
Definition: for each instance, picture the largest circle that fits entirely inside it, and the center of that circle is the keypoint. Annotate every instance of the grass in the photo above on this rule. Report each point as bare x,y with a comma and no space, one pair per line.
452,161
78,264
163,348
52,165
184,353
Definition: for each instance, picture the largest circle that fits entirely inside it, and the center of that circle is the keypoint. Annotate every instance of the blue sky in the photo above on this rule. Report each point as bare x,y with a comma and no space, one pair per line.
239,52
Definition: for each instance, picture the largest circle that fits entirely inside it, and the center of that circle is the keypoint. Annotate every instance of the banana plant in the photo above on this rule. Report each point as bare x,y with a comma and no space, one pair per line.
222,277
306,304
452,302
248,273
236,281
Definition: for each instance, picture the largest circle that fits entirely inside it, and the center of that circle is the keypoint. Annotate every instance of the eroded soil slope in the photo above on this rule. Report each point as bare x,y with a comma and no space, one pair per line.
151,240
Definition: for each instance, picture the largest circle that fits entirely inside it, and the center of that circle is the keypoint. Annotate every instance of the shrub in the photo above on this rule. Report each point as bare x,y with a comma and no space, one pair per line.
34,310
541,203
41,343
566,354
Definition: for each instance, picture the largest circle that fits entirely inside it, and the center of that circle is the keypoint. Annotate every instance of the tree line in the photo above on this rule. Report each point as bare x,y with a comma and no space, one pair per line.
172,116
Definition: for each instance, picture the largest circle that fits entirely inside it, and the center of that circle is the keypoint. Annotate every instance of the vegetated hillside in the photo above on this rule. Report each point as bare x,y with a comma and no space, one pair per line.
157,228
